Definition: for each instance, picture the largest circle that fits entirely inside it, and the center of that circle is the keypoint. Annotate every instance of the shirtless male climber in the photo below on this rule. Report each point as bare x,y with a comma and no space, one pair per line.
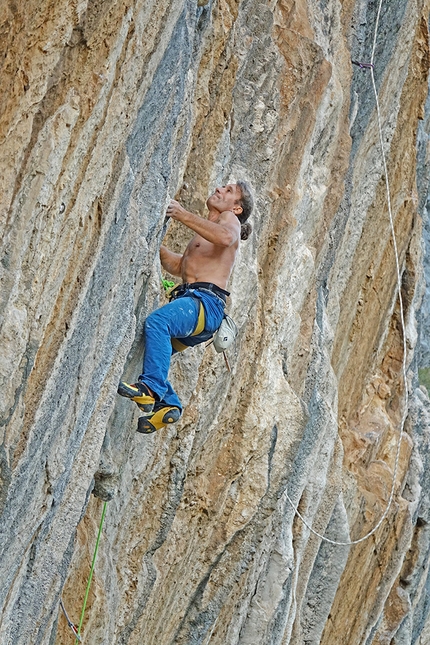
196,307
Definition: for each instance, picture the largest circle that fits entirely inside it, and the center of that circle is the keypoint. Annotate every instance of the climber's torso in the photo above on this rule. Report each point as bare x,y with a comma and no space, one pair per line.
204,261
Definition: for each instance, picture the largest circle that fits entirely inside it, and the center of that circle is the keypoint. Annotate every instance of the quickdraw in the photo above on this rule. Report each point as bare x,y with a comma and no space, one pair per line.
69,622
363,65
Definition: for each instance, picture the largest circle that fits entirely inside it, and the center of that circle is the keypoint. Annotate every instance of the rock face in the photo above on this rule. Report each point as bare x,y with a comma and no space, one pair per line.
108,109
423,182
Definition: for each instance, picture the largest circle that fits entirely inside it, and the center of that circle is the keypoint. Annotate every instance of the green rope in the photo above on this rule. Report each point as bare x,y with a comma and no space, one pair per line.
87,591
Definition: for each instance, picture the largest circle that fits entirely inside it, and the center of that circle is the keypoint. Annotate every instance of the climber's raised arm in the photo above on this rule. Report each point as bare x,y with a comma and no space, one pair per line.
221,230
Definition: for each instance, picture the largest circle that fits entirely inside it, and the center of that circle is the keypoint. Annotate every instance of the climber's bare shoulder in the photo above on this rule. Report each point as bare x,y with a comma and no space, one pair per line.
212,261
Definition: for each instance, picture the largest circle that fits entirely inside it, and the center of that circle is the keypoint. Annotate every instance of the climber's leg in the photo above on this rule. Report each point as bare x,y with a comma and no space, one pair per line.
176,319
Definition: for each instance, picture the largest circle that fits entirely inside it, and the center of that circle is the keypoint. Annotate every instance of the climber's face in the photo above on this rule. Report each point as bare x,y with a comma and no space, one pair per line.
226,198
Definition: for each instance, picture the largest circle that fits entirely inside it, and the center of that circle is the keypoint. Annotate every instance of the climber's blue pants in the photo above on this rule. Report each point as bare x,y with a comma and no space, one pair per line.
178,319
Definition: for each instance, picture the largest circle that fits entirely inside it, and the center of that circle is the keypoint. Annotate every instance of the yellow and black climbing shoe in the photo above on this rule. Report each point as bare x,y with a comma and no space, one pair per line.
162,415
138,393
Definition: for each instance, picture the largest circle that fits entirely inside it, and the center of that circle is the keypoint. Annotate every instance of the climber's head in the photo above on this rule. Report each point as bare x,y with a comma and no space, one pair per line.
226,198
236,198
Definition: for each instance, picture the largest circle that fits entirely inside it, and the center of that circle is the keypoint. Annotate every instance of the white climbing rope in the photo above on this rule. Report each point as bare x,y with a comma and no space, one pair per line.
402,321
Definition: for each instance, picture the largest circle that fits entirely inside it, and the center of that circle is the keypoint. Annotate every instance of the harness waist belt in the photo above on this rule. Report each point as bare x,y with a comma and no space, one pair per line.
197,286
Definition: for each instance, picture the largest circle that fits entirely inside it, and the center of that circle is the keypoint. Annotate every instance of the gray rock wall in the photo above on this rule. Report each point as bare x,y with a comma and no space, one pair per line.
423,182
109,109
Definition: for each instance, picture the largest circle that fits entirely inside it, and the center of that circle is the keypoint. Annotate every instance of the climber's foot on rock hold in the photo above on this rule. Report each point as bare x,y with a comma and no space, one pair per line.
162,415
139,393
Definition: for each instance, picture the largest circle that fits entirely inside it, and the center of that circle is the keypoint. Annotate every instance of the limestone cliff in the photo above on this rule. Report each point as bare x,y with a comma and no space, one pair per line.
109,108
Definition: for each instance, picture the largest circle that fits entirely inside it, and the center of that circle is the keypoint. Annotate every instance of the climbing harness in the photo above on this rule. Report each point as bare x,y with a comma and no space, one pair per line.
178,292
177,344
370,66
209,287
180,345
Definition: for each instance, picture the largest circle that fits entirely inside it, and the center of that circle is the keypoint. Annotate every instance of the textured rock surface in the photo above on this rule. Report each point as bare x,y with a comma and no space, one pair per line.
107,109
423,181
